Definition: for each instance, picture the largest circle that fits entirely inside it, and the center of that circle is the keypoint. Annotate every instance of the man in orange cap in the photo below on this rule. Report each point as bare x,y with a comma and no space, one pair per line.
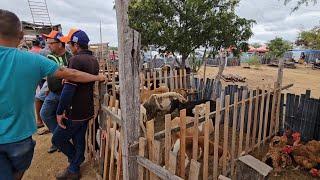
61,57
74,111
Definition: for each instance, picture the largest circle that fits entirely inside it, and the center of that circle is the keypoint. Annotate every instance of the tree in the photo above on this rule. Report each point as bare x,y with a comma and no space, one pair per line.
278,47
300,3
185,25
310,39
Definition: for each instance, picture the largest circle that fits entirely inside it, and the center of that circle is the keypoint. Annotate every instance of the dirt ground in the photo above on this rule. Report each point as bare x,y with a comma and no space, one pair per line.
45,166
302,77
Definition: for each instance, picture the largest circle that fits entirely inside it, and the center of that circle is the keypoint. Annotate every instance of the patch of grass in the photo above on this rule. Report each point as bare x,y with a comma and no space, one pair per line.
254,61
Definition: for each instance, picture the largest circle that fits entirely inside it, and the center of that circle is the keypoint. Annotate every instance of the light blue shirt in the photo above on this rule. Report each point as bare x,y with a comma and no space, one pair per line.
20,73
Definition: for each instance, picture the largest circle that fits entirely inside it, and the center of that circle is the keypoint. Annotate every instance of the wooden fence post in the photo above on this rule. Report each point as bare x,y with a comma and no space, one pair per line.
216,139
129,60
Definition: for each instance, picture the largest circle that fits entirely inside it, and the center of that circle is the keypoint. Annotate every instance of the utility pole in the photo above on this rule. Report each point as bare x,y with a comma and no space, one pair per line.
129,58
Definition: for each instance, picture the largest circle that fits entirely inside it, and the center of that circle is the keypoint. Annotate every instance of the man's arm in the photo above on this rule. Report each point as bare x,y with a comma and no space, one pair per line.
77,76
65,101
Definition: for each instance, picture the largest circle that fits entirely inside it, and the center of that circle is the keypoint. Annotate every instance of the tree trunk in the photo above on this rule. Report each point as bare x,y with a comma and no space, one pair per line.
129,59
183,61
216,82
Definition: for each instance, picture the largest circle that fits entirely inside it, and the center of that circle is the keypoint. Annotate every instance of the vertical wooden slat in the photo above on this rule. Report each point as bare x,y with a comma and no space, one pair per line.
266,116
175,80
206,150
180,78
150,140
166,77
184,78
171,79
182,142
242,114
142,146
102,150
249,122
167,139
195,134
172,162
234,129
226,134
273,110
160,78
261,115
278,111
194,170
256,109
216,139
111,168
154,79
148,80
142,80
156,155
106,154
119,158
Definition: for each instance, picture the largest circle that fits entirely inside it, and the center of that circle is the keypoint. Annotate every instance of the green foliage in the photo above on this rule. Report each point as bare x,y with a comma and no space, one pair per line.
243,47
311,39
185,25
254,61
195,64
256,45
278,47
113,48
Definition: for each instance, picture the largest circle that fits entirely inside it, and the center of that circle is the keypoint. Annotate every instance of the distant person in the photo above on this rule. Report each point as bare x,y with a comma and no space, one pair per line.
21,72
36,48
73,122
60,56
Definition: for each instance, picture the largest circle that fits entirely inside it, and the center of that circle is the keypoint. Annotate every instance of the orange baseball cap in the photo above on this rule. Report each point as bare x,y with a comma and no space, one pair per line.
56,35
67,38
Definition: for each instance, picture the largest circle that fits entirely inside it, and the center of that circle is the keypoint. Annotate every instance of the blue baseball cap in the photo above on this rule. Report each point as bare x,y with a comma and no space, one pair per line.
76,36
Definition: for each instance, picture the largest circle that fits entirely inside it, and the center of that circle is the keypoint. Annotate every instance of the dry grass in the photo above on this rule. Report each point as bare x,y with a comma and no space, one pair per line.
302,77
45,166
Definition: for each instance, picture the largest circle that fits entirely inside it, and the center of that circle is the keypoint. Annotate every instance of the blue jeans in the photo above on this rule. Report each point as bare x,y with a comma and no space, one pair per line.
48,110
15,158
74,151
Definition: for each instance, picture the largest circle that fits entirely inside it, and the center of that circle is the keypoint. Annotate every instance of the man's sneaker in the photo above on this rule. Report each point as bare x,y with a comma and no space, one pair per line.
67,175
52,149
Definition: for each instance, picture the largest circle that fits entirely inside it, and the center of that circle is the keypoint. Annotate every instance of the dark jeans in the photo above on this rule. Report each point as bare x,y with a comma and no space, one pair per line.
74,151
15,158
48,111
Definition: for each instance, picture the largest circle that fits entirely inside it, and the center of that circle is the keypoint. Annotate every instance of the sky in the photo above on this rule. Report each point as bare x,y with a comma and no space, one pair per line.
273,18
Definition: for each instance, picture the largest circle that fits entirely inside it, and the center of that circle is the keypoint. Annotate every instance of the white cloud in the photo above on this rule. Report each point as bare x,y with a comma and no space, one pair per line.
273,18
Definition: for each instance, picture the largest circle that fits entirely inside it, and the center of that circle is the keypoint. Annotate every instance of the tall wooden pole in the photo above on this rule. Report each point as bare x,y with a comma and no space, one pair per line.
129,58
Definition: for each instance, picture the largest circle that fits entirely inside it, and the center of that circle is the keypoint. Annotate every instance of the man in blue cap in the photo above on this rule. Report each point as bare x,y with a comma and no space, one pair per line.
76,106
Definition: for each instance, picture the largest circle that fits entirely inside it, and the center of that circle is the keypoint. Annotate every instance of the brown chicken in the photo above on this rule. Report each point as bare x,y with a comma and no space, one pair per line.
306,155
278,154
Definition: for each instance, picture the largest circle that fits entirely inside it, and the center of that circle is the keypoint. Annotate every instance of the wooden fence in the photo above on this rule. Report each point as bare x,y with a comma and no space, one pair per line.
228,141
242,121
303,115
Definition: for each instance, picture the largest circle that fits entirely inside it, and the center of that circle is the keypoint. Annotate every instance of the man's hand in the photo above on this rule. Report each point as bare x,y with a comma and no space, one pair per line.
101,77
60,121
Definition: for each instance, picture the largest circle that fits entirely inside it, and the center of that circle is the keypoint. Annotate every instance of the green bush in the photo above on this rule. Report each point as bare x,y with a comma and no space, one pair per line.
194,63
254,61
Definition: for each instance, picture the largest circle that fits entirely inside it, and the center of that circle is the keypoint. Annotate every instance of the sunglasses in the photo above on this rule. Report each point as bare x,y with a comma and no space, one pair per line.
53,42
